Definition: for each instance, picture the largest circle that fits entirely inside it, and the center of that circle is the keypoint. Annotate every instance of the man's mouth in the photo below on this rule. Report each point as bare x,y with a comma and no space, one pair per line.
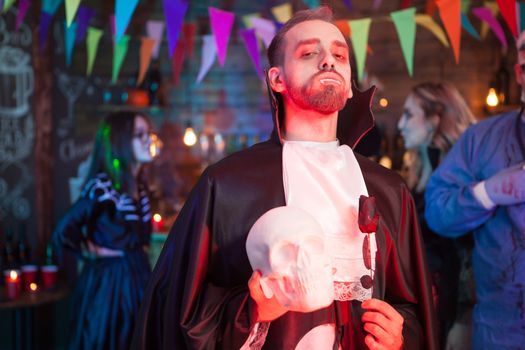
329,81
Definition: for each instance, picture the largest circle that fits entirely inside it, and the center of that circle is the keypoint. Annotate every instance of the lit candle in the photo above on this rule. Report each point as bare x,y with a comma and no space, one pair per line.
12,283
158,223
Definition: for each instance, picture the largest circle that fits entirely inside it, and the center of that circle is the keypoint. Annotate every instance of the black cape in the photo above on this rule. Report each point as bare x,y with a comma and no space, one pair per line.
198,297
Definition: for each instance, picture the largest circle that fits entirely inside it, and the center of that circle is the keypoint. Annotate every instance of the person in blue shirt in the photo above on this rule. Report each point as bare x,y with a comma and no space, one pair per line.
480,187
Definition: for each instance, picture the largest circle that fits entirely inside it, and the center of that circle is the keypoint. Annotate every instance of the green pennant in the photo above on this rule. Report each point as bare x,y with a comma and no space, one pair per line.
92,41
119,53
71,10
7,5
465,6
360,29
404,21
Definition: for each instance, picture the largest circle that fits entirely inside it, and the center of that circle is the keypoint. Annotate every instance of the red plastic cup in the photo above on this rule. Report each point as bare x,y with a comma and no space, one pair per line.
13,284
29,276
49,276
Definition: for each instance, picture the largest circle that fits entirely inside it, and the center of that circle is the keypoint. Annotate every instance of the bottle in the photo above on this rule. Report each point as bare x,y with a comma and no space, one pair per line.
9,253
23,247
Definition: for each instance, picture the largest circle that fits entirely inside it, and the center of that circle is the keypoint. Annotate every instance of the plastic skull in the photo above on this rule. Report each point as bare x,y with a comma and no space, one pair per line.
287,245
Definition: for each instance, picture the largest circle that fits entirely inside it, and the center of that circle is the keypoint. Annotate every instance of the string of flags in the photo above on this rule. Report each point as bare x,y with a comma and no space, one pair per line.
258,31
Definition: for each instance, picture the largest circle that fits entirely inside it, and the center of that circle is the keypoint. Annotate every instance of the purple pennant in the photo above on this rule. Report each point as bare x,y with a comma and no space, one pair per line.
84,15
23,6
485,14
45,21
278,25
221,26
174,12
348,4
250,42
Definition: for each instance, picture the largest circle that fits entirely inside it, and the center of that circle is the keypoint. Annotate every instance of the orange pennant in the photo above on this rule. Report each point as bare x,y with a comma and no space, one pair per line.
450,13
343,26
431,7
146,49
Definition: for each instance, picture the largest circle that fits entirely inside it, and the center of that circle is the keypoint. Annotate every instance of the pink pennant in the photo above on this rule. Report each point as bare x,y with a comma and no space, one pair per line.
221,26
508,11
485,14
250,43
23,6
155,30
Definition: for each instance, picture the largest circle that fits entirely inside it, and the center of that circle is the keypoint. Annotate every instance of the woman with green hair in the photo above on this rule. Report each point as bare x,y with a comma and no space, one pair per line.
109,227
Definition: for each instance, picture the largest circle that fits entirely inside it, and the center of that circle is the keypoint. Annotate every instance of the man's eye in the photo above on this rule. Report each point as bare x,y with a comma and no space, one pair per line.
308,54
340,57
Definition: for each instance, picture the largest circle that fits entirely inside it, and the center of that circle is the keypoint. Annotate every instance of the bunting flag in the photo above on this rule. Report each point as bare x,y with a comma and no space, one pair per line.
123,12
154,29
404,21
209,51
51,6
265,29
485,14
188,31
8,4
174,12
146,50
311,3
377,4
282,13
178,61
43,28
348,4
430,7
84,15
429,23
71,10
92,41
344,27
247,19
465,23
360,29
23,6
250,43
465,6
221,26
450,13
508,11
494,9
119,53
69,38
522,15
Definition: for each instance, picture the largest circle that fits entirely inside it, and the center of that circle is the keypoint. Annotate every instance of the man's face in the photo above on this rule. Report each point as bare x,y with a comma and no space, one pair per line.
316,71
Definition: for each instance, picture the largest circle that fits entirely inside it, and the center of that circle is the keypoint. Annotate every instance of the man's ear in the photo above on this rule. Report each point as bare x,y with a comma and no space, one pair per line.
274,77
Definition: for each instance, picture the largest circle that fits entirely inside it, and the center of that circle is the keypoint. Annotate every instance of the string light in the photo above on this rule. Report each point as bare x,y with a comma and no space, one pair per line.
190,138
492,98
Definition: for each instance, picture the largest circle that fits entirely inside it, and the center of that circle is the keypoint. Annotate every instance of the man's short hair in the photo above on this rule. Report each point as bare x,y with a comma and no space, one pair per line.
276,49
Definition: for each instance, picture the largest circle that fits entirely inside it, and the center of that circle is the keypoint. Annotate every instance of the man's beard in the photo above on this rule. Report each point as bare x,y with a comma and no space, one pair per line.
327,100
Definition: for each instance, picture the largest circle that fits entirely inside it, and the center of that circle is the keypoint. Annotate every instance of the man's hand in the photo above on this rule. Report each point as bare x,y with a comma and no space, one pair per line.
508,186
384,324
266,309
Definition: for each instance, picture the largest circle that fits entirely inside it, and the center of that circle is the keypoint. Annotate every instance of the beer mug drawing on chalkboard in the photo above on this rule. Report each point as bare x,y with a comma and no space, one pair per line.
16,82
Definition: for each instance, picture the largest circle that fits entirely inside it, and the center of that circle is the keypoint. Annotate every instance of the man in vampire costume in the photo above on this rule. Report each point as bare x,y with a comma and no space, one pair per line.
203,293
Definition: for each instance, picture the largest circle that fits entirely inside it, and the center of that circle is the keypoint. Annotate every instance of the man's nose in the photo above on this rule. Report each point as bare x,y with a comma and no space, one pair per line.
327,62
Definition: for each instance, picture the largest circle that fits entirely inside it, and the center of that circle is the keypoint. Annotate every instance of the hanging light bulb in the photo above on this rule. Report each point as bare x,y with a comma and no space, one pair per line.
492,98
190,138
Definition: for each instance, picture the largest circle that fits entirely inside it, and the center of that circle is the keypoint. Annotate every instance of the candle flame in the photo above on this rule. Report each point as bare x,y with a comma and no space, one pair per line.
33,286
13,275
157,217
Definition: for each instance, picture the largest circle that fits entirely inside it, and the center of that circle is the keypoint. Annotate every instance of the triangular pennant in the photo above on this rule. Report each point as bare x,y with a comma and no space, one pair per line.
123,12
119,53
92,41
174,12
465,6
404,21
189,30
344,27
250,43
430,7
221,25
247,19
51,6
209,52
178,61
23,6
265,29
312,3
8,4
360,29
154,29
427,22
71,10
84,15
282,13
485,15
450,13
465,23
69,38
348,4
508,11
404,4
485,28
43,28
146,50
